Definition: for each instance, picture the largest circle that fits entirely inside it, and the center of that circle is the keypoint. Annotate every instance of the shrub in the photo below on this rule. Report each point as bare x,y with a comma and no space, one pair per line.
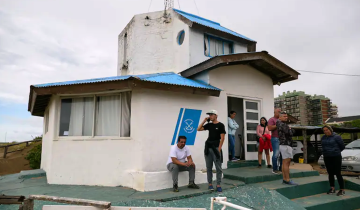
34,157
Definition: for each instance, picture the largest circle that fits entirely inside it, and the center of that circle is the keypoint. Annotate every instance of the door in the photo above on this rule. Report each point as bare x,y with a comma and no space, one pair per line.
251,121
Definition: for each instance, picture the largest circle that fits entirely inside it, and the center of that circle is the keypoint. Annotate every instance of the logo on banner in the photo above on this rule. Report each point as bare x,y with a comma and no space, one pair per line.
186,125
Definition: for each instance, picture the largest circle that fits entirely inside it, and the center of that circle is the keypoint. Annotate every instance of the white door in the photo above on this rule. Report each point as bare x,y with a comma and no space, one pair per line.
251,121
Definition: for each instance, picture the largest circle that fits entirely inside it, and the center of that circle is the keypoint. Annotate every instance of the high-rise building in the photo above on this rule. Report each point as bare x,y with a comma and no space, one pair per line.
309,110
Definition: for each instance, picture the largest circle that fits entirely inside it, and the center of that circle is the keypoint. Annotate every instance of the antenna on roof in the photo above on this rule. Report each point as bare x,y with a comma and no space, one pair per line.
168,4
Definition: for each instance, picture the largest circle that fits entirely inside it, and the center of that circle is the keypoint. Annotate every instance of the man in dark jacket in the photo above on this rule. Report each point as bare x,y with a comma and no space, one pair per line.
285,138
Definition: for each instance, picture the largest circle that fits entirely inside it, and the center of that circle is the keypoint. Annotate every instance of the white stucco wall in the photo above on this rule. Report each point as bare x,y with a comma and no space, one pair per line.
48,136
243,81
152,45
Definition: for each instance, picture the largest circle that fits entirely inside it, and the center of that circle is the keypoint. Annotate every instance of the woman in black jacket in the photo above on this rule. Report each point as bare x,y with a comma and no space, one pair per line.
332,145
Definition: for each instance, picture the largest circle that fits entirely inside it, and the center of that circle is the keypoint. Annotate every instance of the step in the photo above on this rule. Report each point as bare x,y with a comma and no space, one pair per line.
251,175
350,201
244,163
307,186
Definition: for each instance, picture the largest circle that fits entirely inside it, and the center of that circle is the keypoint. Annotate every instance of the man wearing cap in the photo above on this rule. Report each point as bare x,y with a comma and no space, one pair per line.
213,147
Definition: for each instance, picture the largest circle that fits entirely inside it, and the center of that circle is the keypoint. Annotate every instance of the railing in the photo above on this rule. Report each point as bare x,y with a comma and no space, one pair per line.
29,202
6,147
223,201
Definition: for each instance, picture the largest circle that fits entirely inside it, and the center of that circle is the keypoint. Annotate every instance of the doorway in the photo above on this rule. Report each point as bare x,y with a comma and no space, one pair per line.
247,117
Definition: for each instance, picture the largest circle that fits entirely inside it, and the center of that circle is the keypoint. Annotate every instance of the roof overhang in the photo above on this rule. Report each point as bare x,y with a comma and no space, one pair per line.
39,97
262,61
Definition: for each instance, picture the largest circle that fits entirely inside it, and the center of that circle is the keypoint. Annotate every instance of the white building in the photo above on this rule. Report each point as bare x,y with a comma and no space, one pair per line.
172,68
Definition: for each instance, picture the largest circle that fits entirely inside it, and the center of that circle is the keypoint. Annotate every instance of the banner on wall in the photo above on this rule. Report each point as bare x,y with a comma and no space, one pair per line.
186,125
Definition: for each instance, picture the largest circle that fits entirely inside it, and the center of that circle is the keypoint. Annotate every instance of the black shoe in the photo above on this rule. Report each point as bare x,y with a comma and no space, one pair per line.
175,188
193,186
331,191
269,166
340,193
259,166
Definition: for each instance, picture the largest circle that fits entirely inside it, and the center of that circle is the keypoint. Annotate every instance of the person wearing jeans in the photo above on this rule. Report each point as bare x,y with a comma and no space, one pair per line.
213,145
232,127
275,142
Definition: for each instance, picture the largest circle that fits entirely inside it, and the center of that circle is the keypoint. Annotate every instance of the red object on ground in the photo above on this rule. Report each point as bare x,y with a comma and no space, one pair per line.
265,143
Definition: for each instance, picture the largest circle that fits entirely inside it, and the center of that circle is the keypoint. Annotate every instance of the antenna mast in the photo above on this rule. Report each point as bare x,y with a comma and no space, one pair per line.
168,4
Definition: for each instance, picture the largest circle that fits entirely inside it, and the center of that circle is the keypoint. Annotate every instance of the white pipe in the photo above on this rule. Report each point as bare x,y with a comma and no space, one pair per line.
223,201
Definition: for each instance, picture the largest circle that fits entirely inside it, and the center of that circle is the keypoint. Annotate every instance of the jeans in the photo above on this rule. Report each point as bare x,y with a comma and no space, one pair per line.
232,146
276,154
175,169
210,159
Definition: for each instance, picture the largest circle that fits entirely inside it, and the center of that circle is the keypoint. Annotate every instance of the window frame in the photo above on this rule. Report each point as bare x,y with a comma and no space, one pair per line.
221,39
93,137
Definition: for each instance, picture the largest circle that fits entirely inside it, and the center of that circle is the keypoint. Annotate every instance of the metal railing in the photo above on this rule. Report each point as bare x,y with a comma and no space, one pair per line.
223,201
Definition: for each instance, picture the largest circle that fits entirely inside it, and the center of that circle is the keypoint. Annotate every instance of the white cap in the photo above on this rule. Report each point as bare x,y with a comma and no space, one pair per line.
212,112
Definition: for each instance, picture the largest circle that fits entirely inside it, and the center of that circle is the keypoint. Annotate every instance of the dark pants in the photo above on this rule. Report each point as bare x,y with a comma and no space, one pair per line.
210,159
333,167
175,169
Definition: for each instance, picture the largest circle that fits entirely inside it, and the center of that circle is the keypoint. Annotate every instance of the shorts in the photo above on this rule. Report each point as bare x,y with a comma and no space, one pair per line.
286,151
264,145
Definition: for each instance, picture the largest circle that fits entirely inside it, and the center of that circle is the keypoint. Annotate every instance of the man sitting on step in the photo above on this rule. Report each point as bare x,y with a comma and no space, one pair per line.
177,162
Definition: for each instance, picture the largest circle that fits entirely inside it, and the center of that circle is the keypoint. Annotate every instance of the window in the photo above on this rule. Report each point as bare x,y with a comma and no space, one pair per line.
181,37
214,46
251,105
110,112
47,121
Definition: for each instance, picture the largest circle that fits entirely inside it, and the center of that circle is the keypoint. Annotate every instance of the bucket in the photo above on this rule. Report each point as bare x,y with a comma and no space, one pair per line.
301,159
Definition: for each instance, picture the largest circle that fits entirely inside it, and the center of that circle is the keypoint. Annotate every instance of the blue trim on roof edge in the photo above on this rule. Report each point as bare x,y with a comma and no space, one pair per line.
180,11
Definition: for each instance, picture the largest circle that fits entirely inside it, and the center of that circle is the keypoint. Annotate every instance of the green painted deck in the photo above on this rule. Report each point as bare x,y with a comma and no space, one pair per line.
263,190
350,201
251,175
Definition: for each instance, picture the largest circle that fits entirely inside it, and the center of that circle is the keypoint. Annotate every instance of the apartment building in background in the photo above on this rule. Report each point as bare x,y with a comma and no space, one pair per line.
308,109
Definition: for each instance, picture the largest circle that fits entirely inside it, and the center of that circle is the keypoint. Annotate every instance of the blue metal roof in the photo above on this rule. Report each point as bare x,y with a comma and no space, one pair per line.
166,78
209,23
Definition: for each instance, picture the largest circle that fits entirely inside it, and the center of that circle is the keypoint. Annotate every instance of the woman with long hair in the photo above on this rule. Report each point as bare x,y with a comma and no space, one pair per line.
332,146
264,141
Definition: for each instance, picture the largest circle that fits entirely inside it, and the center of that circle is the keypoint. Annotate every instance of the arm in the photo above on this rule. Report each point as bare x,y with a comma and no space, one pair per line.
221,141
292,132
258,133
201,125
190,160
177,162
279,129
340,142
232,125
272,125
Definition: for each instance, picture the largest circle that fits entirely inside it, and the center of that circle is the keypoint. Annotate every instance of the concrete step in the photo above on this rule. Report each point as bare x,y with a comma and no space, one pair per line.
244,163
308,186
251,175
350,201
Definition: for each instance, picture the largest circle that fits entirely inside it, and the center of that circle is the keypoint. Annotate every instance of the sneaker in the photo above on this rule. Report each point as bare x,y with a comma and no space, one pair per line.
234,160
211,188
340,193
193,186
175,188
289,182
276,172
218,189
331,191
259,166
269,166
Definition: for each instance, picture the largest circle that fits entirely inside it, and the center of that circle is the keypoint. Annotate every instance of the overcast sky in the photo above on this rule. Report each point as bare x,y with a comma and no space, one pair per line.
48,41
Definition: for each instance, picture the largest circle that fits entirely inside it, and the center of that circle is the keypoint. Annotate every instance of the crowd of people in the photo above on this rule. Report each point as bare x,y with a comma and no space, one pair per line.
274,136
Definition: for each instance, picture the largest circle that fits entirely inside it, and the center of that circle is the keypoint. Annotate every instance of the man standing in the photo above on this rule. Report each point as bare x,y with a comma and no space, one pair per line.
285,137
177,162
213,147
275,141
232,127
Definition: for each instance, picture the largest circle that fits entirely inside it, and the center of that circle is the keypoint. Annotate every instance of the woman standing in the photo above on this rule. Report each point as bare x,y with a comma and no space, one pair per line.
233,126
264,138
332,145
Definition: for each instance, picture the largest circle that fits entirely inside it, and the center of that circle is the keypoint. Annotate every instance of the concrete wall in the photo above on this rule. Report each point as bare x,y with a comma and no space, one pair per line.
152,45
245,82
